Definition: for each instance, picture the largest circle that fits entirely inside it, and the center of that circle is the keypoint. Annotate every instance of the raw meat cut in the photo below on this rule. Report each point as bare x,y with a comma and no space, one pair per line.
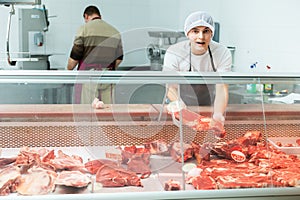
73,179
157,147
110,176
129,151
8,178
298,141
172,185
204,182
93,165
138,165
265,166
199,122
194,120
36,182
66,162
7,161
176,152
201,152
243,145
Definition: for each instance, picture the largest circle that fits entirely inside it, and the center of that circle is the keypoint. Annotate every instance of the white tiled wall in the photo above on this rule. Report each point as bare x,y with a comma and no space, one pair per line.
263,31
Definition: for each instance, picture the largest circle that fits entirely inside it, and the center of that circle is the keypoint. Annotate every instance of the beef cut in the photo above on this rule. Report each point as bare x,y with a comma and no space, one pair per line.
176,152
157,147
73,179
65,162
138,165
93,165
8,177
110,176
37,181
172,185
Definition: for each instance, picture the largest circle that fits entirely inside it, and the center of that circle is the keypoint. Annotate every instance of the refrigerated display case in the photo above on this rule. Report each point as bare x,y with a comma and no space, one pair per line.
91,134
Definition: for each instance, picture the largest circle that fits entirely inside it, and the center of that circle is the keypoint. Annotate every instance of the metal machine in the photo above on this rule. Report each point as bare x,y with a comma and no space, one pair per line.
156,51
11,2
33,23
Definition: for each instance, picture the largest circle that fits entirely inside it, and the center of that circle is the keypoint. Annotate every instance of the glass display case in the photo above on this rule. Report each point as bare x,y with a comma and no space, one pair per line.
137,148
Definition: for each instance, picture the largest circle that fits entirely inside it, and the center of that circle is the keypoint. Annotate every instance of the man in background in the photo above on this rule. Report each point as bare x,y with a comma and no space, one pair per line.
97,46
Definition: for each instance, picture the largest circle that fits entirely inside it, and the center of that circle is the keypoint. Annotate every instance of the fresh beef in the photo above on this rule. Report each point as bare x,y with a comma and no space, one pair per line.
265,167
241,144
286,177
204,182
194,120
7,161
73,179
36,182
111,176
172,185
93,165
28,157
129,151
201,152
138,165
298,141
176,152
157,147
66,162
8,177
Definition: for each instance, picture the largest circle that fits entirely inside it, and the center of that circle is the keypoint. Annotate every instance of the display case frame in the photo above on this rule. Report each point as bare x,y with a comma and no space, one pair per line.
32,115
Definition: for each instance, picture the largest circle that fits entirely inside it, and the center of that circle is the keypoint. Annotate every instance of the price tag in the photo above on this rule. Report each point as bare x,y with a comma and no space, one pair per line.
187,167
114,154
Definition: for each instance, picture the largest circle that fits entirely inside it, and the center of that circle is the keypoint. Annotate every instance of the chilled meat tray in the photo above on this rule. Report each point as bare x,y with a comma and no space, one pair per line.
91,139
289,145
165,170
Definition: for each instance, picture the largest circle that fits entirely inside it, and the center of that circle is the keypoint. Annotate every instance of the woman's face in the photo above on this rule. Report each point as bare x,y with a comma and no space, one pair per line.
200,38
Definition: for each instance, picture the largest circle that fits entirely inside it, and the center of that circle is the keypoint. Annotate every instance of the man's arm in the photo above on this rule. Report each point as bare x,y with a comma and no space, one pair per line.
221,99
72,64
172,92
118,62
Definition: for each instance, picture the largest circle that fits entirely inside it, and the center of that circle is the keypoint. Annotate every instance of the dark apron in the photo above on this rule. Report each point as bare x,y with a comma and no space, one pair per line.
92,66
198,94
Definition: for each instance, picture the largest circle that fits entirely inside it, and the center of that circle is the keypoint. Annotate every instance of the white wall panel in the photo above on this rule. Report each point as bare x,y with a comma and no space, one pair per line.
266,31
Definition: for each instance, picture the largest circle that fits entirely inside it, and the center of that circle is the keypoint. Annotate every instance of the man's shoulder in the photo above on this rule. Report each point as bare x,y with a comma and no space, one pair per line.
108,25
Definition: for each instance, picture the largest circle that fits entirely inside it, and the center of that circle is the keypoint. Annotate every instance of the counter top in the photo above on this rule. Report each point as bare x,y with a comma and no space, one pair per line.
238,111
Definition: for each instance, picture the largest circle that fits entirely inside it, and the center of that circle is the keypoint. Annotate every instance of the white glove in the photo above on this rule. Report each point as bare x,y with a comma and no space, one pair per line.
176,106
219,118
217,124
97,104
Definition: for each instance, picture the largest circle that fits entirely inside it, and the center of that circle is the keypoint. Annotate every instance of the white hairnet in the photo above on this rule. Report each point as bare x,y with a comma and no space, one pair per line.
198,18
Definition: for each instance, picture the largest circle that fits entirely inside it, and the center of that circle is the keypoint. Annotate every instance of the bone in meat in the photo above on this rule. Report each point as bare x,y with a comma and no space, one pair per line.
36,182
73,179
8,177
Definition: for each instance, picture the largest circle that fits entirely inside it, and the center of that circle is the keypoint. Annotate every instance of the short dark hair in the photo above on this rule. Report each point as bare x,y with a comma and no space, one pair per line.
90,10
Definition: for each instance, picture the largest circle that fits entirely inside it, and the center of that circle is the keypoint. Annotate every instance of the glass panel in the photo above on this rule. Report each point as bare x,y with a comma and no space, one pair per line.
39,110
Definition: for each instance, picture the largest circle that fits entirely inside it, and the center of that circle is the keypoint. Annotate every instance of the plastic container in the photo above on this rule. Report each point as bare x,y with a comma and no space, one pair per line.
289,145
251,88
268,88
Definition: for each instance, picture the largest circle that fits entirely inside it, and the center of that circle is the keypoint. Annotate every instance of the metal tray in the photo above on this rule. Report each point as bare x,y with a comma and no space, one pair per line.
295,149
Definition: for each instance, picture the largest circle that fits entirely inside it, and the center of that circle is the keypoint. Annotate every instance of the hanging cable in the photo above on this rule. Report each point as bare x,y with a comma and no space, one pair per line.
11,13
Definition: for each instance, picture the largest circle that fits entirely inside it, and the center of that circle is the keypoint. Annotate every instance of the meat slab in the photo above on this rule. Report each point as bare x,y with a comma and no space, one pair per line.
73,179
111,176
